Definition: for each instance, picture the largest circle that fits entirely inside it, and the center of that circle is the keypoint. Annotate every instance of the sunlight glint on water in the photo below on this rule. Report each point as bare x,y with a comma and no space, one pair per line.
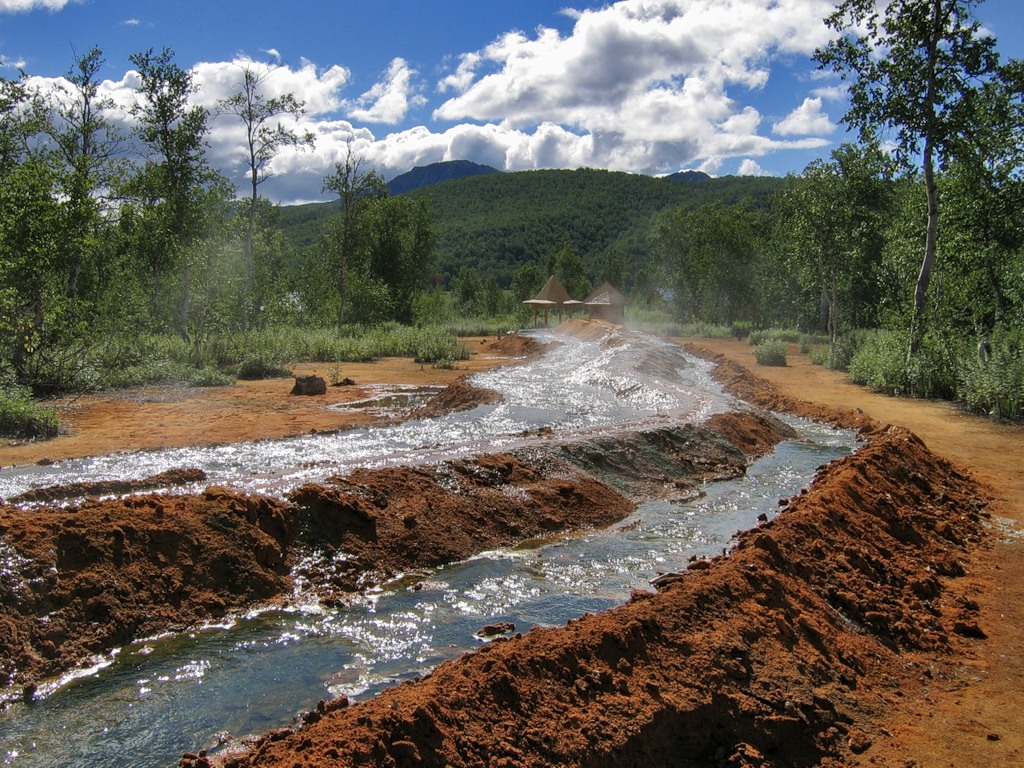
157,699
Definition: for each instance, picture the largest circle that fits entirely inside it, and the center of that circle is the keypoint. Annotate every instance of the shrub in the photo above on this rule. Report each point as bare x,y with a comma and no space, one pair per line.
741,328
23,417
259,367
773,334
772,352
838,355
995,386
209,377
880,362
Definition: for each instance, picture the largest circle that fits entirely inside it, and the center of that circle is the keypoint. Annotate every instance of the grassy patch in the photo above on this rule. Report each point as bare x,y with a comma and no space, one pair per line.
24,418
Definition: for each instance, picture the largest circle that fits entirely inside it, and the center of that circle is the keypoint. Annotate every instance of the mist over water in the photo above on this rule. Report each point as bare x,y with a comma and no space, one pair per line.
158,698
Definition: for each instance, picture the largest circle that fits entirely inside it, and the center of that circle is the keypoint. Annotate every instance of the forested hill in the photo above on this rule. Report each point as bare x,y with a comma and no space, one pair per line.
497,222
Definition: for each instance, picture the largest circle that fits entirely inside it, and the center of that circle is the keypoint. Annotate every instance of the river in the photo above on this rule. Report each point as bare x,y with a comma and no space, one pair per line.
148,703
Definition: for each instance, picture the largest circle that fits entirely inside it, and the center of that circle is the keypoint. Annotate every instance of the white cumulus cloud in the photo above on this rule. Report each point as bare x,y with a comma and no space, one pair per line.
805,120
18,6
648,80
389,100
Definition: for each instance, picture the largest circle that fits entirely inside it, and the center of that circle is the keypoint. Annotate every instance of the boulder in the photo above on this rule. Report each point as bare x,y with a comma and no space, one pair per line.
309,385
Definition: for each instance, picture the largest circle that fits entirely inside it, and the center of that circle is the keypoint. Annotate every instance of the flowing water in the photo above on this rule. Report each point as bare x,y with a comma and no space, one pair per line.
158,698
575,389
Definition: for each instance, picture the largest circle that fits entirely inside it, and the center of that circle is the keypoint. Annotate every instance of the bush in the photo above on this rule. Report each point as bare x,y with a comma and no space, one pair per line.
837,356
772,352
22,417
773,334
741,329
995,387
259,367
881,363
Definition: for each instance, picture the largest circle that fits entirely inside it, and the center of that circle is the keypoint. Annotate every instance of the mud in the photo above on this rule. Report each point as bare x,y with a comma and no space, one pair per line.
81,580
773,656
168,479
457,396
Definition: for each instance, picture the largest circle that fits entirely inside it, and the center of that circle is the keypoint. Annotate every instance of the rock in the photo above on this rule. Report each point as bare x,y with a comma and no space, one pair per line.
493,630
309,385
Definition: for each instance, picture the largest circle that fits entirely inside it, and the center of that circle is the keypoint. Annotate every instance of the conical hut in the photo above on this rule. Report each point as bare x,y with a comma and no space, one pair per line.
552,295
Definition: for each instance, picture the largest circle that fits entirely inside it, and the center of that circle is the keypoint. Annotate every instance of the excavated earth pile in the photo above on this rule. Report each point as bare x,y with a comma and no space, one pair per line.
78,581
777,655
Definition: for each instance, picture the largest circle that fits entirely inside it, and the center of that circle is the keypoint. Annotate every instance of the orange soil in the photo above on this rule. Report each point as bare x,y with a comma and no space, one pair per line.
949,701
976,718
176,416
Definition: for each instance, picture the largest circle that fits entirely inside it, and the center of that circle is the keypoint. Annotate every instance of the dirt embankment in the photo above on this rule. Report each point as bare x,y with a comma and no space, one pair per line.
81,580
777,655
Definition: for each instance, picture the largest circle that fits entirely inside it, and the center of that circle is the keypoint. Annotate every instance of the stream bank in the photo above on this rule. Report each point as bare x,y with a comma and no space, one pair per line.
85,579
777,655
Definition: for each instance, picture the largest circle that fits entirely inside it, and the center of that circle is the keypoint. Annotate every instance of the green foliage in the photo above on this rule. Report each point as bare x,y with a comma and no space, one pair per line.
741,328
758,337
771,352
22,417
992,381
881,363
258,367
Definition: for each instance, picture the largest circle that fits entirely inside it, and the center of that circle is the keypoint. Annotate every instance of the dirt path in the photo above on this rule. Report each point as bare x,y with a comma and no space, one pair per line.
975,719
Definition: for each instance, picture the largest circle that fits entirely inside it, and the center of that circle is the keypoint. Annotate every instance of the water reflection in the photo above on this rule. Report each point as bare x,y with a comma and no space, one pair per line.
161,697
576,388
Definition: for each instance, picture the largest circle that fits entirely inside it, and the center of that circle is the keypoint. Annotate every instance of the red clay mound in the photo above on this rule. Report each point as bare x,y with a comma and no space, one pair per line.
166,479
391,520
777,655
457,396
738,381
514,345
105,573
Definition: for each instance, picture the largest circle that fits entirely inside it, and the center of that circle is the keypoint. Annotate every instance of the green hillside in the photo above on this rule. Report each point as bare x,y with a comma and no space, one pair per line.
495,223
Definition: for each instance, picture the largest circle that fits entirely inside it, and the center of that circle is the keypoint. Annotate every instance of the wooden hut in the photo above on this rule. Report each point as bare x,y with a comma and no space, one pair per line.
552,296
606,302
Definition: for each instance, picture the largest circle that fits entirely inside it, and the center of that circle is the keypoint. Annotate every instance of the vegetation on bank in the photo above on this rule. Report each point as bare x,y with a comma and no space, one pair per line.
909,264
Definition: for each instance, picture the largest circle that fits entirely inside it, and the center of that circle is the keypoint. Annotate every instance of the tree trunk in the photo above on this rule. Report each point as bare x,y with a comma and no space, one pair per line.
250,267
930,246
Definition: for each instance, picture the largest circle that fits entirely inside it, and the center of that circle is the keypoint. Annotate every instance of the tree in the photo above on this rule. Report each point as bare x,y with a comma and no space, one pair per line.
400,250
265,137
828,223
912,66
566,262
707,255
175,132
88,145
355,188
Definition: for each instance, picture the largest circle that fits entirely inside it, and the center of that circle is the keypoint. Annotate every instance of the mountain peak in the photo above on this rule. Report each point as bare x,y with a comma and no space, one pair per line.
435,173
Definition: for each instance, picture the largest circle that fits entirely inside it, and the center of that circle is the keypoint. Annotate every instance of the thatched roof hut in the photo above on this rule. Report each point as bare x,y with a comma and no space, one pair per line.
606,302
552,295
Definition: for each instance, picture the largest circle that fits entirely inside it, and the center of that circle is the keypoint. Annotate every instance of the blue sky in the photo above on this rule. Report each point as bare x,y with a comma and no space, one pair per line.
647,86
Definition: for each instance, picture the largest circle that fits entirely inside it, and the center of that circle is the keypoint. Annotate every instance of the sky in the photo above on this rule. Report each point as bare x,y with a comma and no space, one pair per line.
645,86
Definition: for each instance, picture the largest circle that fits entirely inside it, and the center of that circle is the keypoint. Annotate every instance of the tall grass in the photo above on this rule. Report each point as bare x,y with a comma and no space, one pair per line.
129,361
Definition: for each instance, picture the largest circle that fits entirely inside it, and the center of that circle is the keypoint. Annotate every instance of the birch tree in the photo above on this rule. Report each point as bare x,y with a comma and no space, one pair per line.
912,66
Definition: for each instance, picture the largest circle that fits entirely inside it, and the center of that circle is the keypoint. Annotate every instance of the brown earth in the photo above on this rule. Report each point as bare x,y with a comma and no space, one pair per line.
877,622
975,717
78,581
